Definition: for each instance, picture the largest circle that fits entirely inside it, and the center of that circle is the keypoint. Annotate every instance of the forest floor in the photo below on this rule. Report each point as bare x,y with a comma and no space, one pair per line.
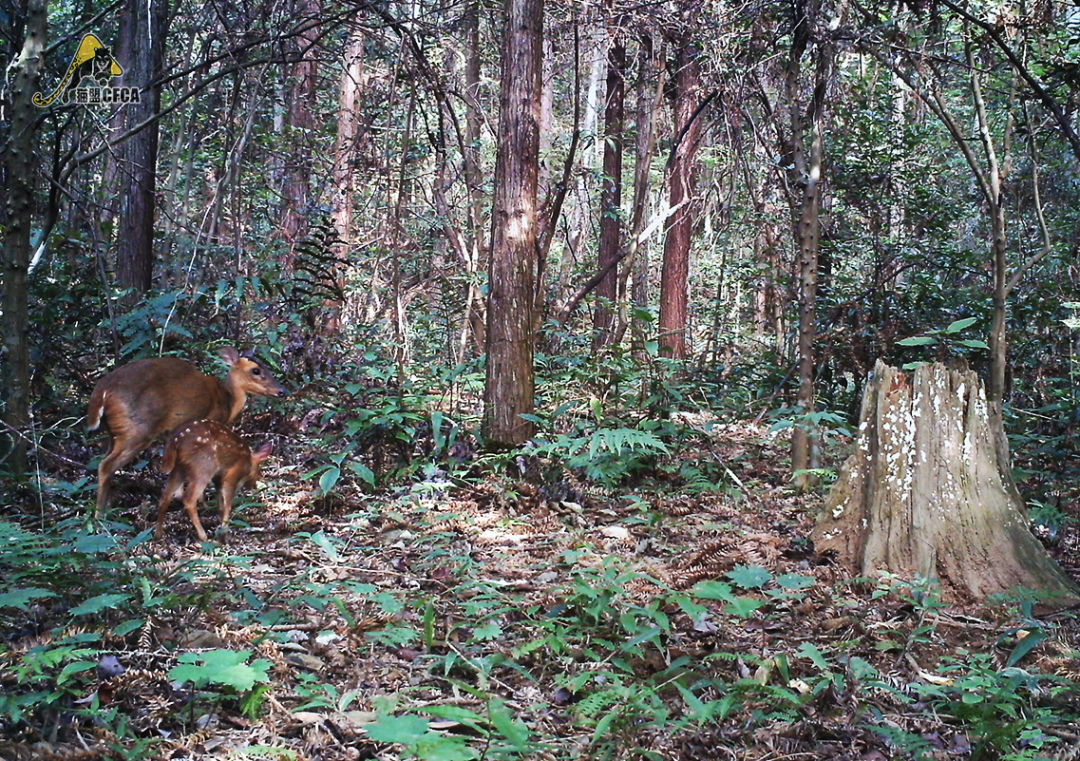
482,619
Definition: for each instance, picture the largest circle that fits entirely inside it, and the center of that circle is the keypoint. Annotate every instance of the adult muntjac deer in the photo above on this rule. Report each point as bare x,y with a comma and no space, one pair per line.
199,453
139,402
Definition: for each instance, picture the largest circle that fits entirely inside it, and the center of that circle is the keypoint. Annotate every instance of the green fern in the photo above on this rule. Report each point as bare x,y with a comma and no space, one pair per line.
606,454
598,703
319,268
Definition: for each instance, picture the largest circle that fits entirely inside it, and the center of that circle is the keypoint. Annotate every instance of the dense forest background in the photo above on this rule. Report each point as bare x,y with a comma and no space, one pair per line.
614,271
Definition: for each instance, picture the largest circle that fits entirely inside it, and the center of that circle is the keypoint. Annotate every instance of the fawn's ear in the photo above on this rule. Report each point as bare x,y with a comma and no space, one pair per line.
263,452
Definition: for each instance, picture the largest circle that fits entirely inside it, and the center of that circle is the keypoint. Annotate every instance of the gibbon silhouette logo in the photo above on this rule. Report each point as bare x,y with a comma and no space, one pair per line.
87,79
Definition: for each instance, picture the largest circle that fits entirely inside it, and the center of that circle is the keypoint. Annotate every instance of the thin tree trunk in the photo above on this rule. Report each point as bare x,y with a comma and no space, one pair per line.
807,174
611,194
475,317
547,118
142,49
181,163
19,173
348,135
803,441
301,125
397,226
509,391
995,390
579,218
343,172
649,97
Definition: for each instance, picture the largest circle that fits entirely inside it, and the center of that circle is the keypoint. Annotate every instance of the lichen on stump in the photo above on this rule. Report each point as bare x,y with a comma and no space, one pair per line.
922,494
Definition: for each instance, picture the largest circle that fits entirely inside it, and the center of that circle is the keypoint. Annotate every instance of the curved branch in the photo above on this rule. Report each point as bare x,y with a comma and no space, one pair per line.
994,33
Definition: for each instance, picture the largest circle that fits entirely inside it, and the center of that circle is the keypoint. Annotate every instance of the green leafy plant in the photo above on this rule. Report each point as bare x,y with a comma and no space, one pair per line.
317,694
604,455
383,429
945,340
49,676
222,668
499,734
825,424
228,670
1000,708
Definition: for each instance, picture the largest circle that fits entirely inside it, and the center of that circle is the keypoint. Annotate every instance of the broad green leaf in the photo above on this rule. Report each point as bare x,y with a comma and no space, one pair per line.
128,626
561,409
973,343
917,341
243,678
691,608
73,668
97,604
326,545
407,729
94,544
429,624
20,597
861,669
743,607
649,635
354,427
329,479
698,709
514,730
436,747
713,590
1025,646
461,715
811,651
959,325
795,581
750,576
487,631
436,430
363,471
224,667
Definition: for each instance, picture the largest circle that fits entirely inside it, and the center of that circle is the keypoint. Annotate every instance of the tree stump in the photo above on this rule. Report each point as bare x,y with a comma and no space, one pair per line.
923,495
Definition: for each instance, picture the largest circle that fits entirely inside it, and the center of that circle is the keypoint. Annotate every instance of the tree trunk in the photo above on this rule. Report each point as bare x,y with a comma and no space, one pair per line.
346,148
142,50
474,180
509,390
923,494
806,175
803,440
995,175
611,194
18,168
648,100
348,135
675,272
301,127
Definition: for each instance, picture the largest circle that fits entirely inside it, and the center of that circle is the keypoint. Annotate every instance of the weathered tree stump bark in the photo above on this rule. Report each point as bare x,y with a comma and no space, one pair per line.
923,494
